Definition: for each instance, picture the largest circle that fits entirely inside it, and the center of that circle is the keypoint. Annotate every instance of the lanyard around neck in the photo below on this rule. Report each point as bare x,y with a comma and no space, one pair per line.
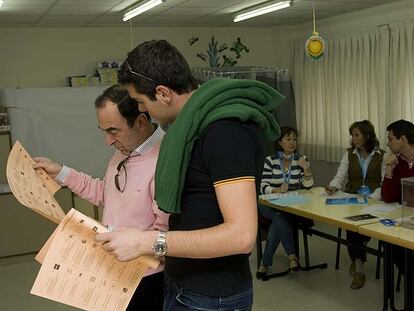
286,173
364,166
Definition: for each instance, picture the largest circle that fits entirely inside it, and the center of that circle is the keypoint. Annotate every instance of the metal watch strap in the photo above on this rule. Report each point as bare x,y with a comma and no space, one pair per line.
160,245
162,235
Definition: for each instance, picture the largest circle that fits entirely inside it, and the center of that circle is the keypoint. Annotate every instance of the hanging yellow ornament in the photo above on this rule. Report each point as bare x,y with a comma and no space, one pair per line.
314,45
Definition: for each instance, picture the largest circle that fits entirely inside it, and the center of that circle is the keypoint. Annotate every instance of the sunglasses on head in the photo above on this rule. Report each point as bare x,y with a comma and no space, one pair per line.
137,73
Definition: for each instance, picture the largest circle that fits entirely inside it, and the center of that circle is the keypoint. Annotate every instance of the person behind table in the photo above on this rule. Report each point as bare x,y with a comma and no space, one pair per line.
362,166
399,165
127,191
284,171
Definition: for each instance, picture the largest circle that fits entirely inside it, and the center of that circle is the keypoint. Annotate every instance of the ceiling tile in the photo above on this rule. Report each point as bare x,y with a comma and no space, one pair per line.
187,11
213,20
168,20
218,4
28,2
78,10
321,5
110,3
23,10
66,20
172,12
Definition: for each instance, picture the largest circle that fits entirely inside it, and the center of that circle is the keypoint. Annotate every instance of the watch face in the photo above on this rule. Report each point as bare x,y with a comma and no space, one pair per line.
160,248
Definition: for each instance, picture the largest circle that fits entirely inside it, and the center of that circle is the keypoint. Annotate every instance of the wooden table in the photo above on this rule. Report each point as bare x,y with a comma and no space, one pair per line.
317,210
394,235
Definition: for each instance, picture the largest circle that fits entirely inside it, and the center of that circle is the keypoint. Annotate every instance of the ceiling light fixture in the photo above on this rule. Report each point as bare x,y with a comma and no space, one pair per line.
1,2
141,8
264,9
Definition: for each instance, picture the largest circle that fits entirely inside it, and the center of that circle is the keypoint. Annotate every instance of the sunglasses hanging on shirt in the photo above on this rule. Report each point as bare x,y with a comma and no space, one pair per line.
121,175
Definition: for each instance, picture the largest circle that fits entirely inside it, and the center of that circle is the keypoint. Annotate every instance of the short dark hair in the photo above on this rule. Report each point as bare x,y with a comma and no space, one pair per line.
402,127
285,131
157,62
368,131
127,106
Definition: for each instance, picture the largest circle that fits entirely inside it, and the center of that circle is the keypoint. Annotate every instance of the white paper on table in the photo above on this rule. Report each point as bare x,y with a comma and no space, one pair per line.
273,196
382,209
337,194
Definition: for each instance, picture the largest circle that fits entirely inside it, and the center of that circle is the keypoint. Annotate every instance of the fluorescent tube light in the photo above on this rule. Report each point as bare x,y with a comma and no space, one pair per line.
147,5
261,10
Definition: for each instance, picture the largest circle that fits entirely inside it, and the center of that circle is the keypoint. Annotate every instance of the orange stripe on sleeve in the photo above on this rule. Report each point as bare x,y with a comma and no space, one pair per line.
234,180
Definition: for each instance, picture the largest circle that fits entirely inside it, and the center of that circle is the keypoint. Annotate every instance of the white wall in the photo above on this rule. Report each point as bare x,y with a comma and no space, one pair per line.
40,57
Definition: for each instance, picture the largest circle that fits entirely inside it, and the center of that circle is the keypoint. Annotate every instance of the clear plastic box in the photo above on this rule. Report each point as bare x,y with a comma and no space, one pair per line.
407,190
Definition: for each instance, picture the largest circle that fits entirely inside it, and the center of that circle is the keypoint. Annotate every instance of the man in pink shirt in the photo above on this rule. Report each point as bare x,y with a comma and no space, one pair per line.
126,193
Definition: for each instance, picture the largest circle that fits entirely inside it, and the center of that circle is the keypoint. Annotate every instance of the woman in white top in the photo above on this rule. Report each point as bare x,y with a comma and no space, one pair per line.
362,166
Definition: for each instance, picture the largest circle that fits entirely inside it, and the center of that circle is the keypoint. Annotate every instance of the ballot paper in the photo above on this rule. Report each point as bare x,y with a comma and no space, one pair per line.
337,194
291,200
382,209
32,188
274,196
78,272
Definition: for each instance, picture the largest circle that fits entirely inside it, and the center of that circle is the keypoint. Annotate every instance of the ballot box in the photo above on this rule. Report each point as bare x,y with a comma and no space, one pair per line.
407,189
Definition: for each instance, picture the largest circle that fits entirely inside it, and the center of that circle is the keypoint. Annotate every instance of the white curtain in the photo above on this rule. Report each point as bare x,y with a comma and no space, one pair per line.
350,83
402,71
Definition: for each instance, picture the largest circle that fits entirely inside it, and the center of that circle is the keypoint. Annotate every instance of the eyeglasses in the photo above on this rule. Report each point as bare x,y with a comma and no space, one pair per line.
120,183
137,73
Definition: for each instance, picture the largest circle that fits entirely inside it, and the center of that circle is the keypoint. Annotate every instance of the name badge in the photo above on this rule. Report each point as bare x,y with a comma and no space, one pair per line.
364,190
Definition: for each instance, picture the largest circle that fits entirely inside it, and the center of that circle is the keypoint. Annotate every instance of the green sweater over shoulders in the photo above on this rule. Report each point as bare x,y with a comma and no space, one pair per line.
246,100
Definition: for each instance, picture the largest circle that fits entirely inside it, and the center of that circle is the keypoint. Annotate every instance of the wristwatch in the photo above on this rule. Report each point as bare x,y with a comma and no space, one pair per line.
160,245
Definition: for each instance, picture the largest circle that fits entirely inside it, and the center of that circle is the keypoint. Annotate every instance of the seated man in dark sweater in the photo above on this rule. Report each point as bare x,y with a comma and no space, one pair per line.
399,165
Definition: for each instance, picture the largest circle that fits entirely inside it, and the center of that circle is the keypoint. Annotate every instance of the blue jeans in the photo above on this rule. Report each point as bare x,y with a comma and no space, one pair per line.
179,299
280,231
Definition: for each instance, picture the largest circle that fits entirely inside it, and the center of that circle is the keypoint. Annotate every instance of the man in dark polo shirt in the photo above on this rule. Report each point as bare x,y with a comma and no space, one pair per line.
208,174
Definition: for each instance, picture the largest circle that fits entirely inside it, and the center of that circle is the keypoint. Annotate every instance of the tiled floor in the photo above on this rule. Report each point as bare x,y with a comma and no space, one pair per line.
327,289
313,290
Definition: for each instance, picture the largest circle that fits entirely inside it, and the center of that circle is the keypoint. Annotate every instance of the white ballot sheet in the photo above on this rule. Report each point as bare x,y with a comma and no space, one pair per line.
32,188
382,209
273,196
78,272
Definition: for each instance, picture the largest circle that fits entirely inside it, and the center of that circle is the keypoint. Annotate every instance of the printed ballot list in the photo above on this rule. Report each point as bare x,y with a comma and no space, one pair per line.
75,269
78,272
32,188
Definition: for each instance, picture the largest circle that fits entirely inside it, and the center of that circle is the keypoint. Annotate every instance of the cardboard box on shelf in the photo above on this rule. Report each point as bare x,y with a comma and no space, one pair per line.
108,76
4,122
